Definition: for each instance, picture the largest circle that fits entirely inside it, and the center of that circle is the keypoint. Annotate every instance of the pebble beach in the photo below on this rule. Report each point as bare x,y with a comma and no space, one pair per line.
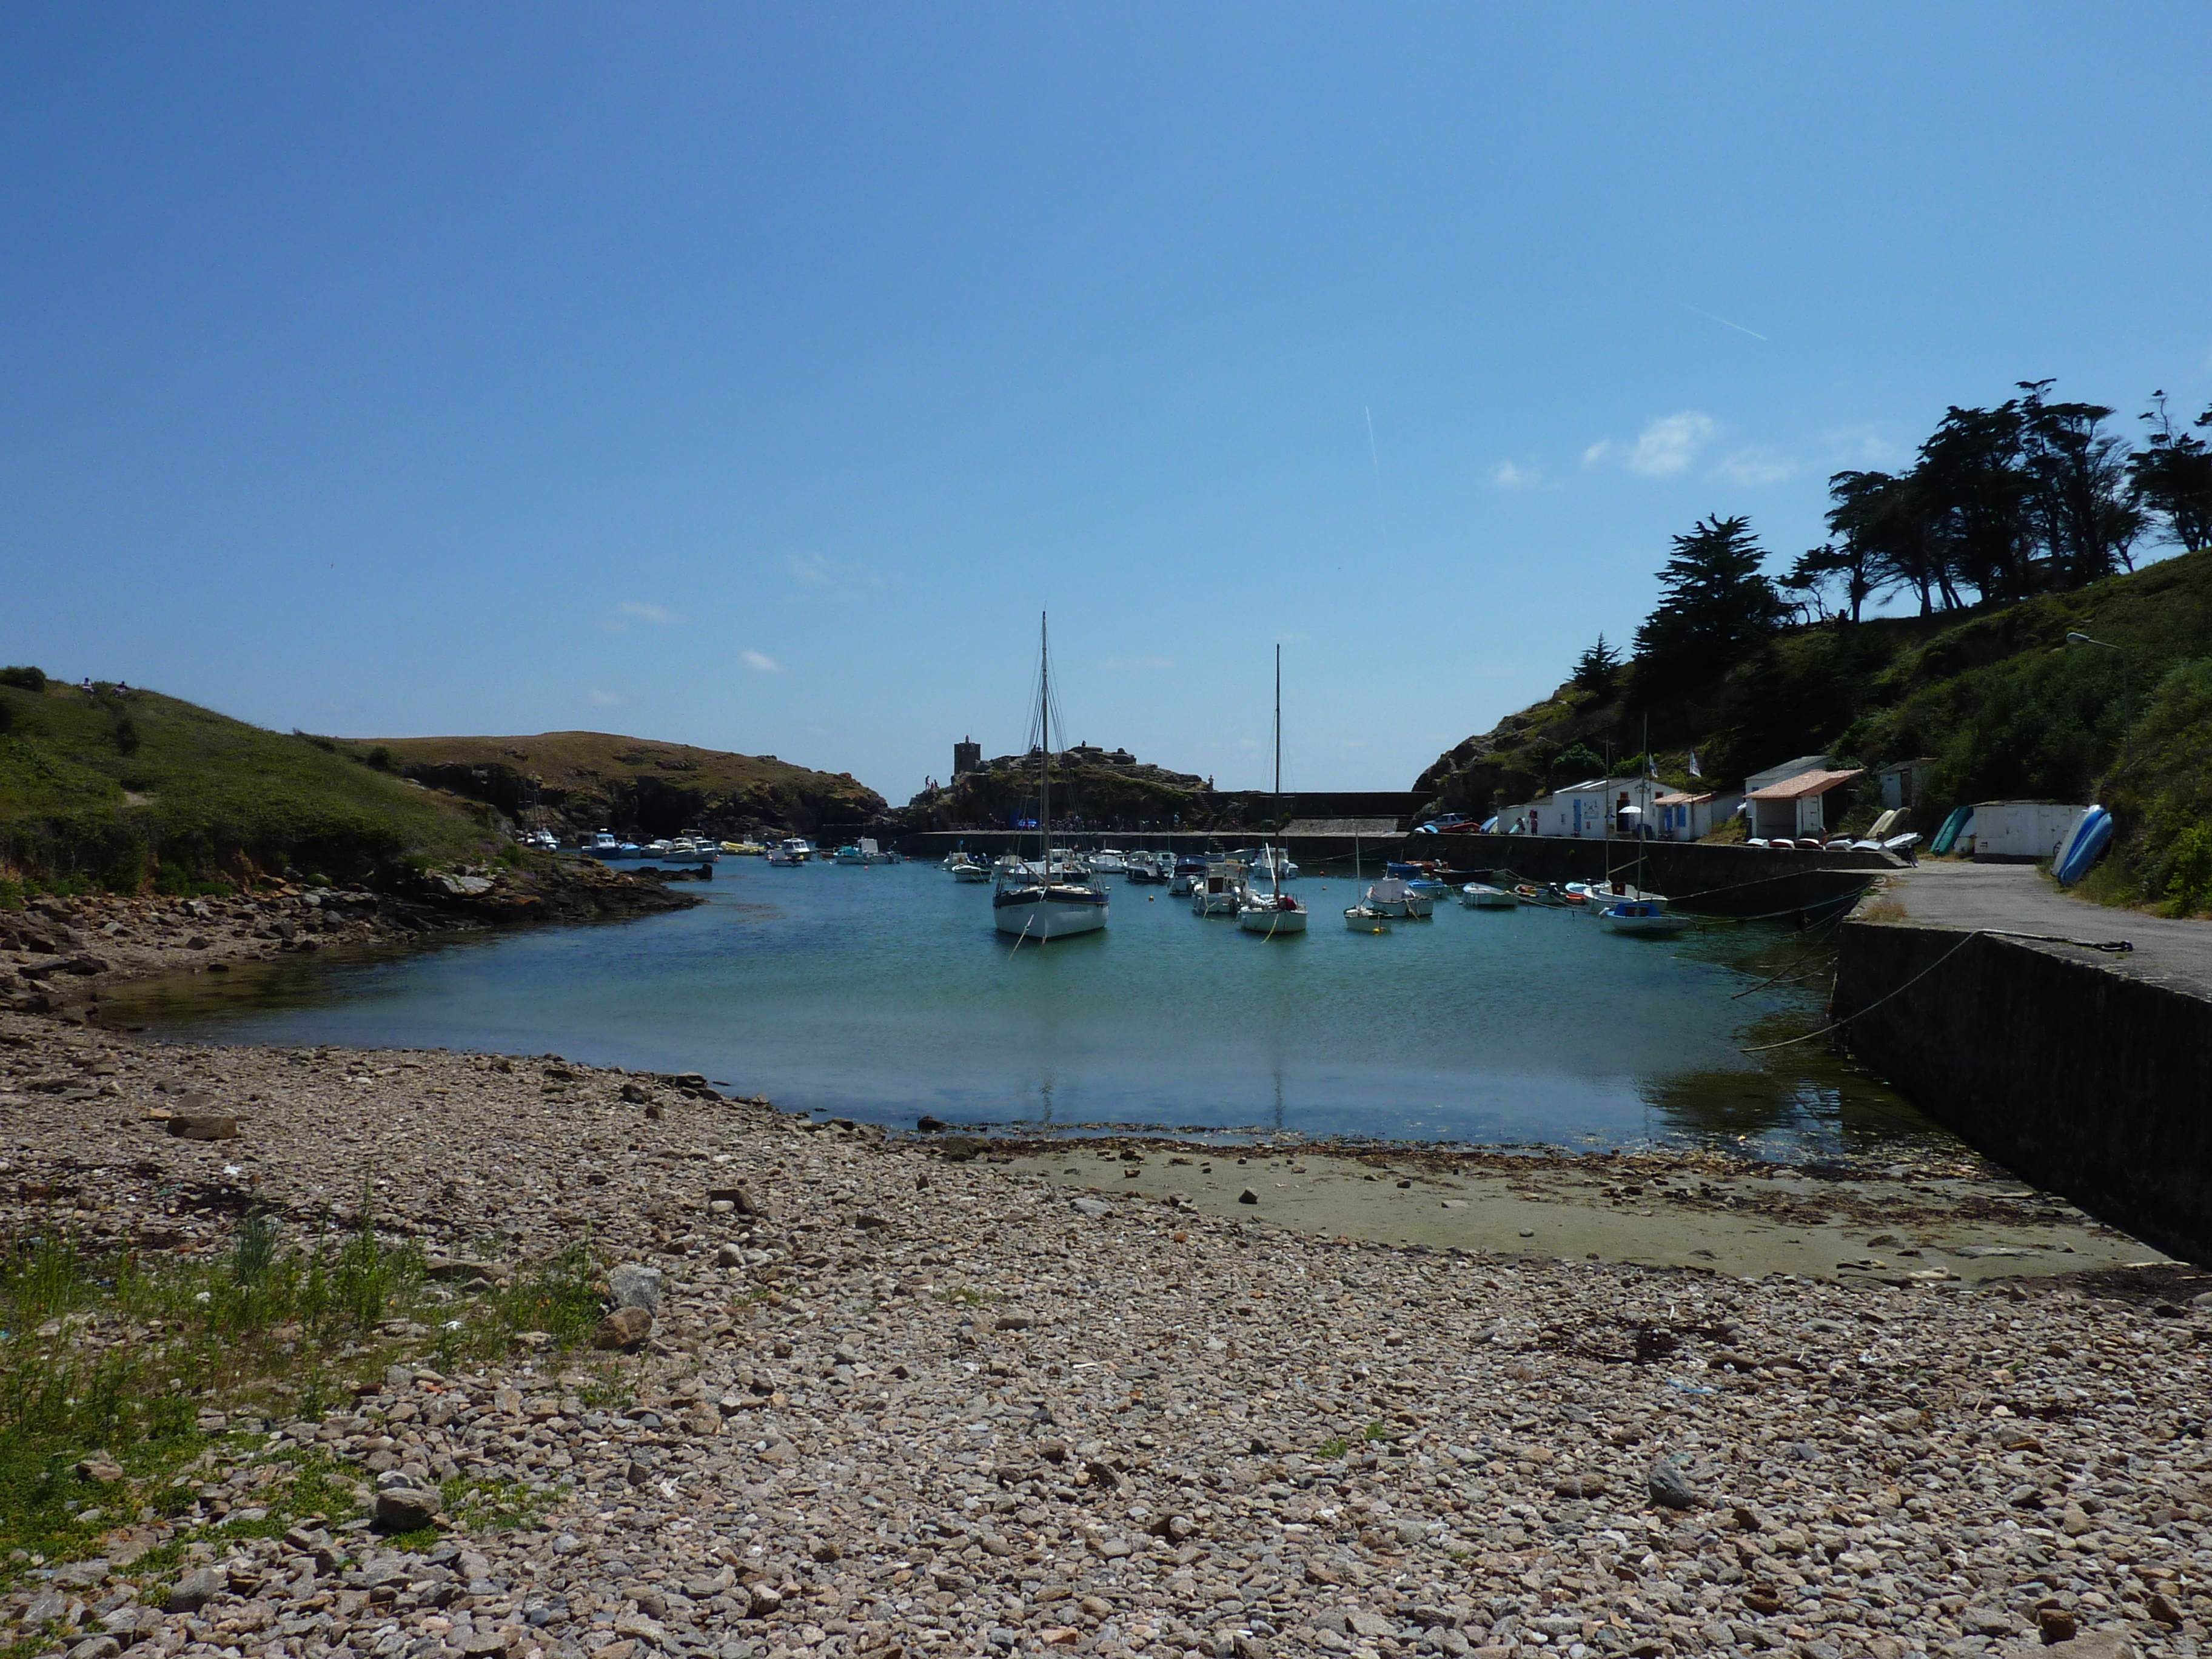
859,1395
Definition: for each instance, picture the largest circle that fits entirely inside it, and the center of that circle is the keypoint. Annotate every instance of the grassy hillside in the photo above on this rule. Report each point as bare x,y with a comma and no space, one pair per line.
1995,695
580,781
128,787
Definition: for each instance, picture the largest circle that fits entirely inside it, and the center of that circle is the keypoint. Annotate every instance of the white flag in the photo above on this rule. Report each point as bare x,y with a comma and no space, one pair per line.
1694,772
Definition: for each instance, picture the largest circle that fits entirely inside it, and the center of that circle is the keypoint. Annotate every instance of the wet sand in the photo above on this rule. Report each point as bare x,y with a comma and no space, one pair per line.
1944,1220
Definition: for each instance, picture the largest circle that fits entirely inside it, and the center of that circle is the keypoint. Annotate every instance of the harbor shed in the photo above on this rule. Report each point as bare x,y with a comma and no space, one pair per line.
1591,810
1796,808
1679,817
1792,769
2021,831
1904,782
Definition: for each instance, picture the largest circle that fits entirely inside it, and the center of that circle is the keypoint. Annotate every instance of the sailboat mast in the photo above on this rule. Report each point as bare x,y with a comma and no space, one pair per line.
1044,733
1276,863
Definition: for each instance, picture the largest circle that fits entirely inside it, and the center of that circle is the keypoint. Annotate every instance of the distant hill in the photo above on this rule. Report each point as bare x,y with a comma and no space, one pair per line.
125,788
1994,695
1107,788
579,782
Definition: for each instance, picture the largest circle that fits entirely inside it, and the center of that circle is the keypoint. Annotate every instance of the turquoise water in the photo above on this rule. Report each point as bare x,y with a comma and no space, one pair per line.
883,992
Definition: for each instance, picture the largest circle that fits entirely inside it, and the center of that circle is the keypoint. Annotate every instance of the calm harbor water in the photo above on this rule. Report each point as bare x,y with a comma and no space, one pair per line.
883,992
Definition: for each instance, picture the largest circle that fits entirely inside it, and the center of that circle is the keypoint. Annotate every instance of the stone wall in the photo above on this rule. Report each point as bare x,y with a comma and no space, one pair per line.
2082,1076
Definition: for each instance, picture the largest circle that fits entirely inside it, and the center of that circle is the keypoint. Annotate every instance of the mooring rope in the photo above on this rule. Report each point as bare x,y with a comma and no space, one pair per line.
2111,947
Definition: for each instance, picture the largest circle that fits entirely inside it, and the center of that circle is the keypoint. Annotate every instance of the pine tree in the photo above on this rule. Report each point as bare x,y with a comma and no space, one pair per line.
1716,603
1594,669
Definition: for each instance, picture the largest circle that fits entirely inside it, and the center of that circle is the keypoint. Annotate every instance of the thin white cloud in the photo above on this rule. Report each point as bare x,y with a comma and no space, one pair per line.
1860,446
1597,452
599,699
1138,662
1509,475
1754,467
660,616
1669,444
761,663
824,577
1724,322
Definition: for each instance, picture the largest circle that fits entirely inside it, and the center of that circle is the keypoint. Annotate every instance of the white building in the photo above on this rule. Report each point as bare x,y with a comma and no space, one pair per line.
2021,831
1678,817
1589,811
1794,808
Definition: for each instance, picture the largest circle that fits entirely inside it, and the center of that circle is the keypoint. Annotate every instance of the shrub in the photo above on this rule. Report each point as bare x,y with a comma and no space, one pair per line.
23,678
380,758
127,734
2189,871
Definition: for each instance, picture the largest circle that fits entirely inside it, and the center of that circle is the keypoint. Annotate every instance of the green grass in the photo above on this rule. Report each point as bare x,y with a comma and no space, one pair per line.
1332,1449
109,1360
965,1297
134,789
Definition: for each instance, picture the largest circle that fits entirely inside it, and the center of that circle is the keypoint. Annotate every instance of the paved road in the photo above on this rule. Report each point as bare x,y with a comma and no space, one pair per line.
2020,898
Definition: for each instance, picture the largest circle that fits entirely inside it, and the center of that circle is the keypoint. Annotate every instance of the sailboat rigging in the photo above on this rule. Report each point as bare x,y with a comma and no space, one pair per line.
1276,911
1040,902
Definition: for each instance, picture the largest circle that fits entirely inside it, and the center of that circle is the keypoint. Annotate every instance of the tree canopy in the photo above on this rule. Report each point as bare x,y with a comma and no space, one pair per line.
1714,604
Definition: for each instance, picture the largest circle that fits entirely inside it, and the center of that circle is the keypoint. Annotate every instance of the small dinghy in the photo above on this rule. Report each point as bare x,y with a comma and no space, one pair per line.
1394,897
1478,896
1640,916
1366,919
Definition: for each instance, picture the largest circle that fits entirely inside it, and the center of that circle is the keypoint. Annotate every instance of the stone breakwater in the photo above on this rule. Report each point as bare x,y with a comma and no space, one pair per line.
56,952
880,1401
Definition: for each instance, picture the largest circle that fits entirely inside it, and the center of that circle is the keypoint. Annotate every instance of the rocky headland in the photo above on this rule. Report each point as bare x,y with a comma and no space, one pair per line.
61,953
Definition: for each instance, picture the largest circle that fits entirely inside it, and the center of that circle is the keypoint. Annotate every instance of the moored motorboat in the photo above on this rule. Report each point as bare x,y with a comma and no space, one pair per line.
1220,890
1481,895
1189,868
1366,919
792,850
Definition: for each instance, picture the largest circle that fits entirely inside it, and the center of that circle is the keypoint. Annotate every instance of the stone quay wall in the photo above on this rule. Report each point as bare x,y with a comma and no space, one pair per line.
2077,1074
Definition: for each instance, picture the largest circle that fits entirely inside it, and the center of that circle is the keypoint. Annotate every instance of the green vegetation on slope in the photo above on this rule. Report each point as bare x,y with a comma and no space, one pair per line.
123,788
1997,697
580,782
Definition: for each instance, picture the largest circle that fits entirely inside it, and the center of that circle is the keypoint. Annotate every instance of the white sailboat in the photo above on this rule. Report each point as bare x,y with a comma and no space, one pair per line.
1045,900
1273,912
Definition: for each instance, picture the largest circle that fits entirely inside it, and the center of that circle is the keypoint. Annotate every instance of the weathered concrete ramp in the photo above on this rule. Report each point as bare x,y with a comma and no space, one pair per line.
2089,1074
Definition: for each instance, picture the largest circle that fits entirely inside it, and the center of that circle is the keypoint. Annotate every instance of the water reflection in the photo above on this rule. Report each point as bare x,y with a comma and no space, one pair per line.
885,994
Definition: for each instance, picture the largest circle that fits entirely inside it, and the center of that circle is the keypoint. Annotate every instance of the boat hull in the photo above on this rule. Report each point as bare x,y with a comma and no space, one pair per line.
1271,921
1478,898
1361,920
1046,916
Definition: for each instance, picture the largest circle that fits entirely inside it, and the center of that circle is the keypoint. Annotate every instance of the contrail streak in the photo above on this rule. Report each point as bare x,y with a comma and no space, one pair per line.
1724,321
1372,453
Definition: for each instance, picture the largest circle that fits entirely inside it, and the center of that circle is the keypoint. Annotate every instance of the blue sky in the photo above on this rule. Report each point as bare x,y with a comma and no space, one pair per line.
752,377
